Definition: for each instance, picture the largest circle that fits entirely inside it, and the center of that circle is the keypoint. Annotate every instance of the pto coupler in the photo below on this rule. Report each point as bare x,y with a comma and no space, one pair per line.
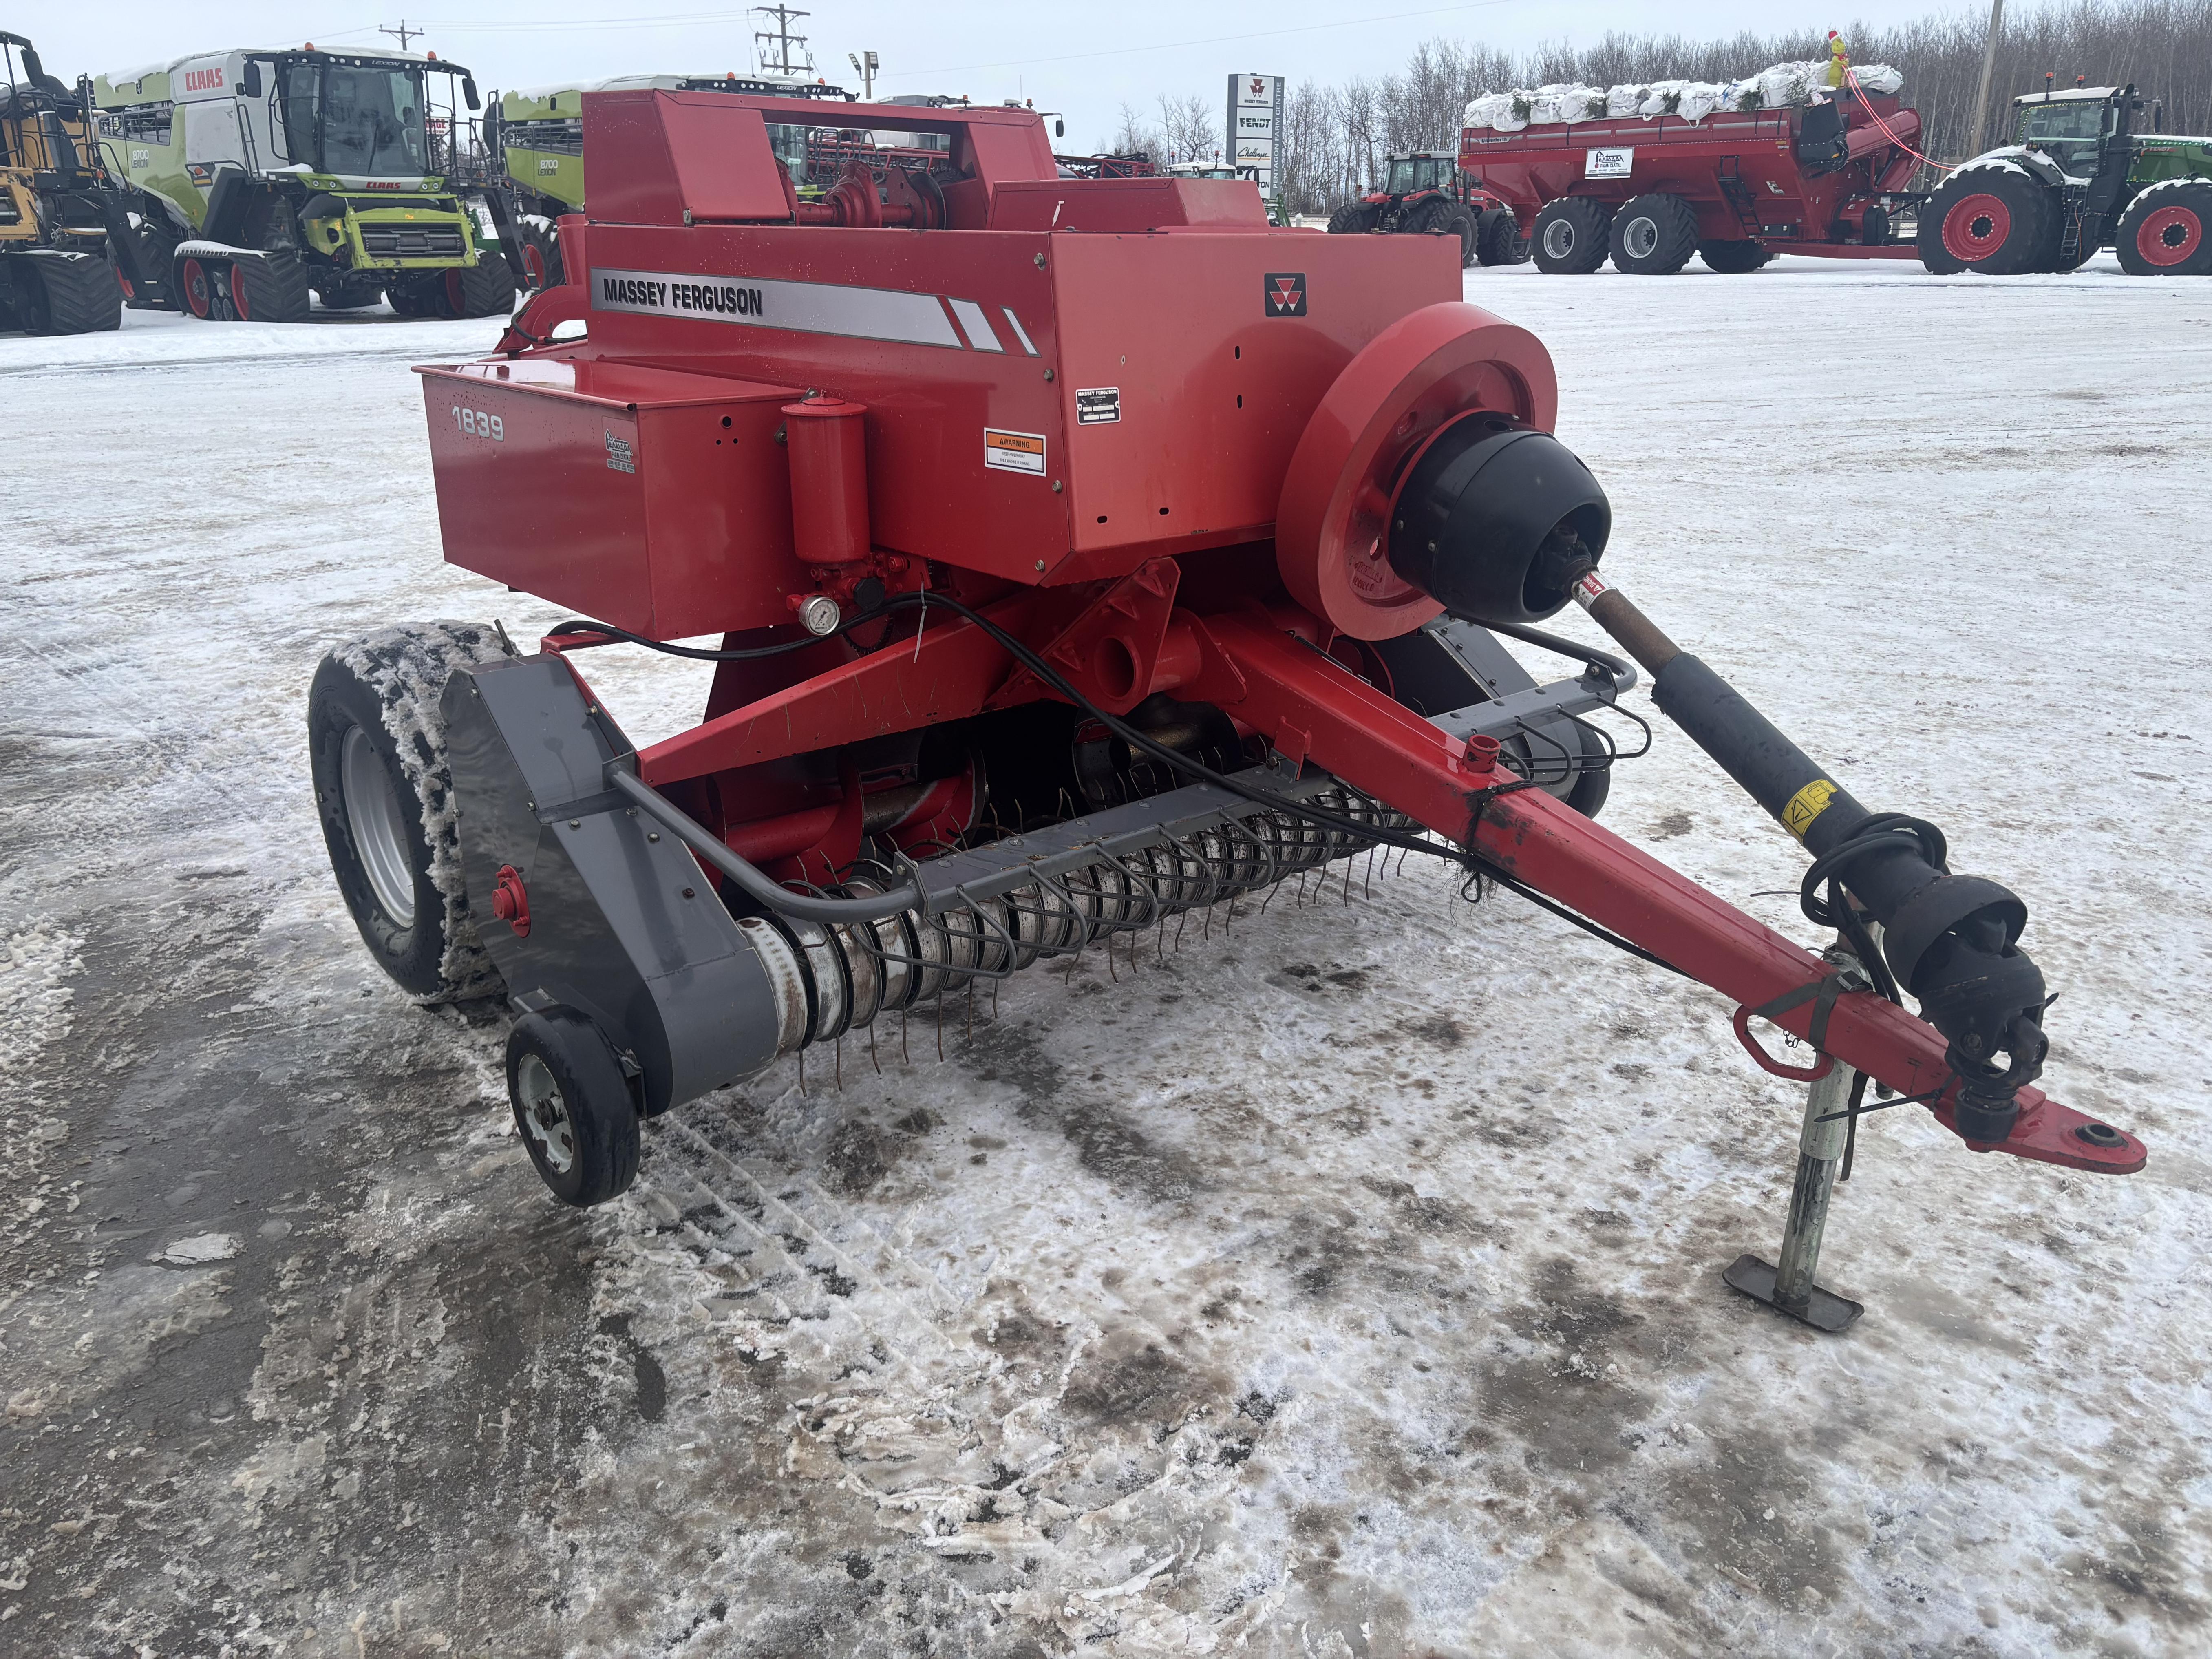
1950,940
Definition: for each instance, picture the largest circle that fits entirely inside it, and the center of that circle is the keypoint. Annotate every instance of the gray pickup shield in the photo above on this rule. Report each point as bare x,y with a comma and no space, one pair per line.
670,979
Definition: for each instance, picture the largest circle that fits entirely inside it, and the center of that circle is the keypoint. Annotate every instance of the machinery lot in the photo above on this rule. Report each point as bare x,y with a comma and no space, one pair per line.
1346,1281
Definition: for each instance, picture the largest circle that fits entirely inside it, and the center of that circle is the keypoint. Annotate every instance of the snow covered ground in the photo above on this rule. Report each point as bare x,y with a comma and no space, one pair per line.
1346,1283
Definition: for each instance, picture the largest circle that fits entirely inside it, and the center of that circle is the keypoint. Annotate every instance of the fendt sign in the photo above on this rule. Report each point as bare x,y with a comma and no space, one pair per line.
1255,116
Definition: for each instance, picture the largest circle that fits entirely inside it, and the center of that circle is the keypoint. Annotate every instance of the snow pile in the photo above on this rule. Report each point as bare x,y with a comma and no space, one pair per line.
1779,85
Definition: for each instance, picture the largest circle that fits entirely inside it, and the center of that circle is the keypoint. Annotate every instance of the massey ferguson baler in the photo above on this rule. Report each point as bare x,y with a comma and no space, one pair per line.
1085,553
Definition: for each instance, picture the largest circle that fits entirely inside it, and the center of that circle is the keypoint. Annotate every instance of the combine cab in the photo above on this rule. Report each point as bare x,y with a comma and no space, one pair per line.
58,209
2075,179
258,177
1427,193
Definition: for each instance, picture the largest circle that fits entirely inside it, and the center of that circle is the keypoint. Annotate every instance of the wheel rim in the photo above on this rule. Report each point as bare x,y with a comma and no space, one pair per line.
1976,227
2169,235
1639,238
533,266
377,825
1558,239
238,294
196,287
455,301
544,1114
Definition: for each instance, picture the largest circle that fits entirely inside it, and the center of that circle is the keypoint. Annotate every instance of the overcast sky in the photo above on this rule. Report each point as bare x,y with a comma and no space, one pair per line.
1084,60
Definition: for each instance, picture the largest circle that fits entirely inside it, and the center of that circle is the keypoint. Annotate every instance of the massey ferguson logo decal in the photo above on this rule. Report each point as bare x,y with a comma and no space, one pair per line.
1286,293
710,298
1259,86
208,80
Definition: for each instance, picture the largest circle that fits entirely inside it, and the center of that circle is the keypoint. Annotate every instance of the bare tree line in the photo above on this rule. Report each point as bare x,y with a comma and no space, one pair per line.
1336,137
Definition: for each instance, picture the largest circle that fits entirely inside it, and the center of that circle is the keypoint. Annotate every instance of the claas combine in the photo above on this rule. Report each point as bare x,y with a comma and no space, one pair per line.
1083,553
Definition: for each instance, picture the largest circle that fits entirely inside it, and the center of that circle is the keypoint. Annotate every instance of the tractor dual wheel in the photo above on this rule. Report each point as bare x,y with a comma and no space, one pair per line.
575,1111
1570,237
2000,221
384,790
1734,258
1498,241
1653,235
65,293
1450,217
2167,232
1352,219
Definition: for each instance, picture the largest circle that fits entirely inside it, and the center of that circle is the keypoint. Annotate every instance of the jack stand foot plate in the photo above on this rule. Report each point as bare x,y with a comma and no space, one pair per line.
1824,1312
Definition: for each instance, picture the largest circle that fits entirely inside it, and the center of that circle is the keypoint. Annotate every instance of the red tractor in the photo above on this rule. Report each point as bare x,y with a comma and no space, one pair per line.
1427,193
1040,625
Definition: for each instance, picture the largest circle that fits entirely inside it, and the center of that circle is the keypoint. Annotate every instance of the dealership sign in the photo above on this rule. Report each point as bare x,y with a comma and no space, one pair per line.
1255,118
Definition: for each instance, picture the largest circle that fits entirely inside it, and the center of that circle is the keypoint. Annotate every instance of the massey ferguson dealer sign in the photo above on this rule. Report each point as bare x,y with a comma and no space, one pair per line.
1255,117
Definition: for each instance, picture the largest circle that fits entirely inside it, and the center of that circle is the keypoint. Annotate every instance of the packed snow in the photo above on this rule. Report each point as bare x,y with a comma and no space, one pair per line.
1338,1278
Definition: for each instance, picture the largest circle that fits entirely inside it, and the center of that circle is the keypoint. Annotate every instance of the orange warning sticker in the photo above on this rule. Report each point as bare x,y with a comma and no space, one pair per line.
1014,452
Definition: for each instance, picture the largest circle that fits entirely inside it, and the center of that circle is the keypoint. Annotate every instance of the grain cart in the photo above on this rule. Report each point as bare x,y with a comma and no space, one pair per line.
2076,178
57,207
1043,626
260,176
539,137
1735,187
1427,192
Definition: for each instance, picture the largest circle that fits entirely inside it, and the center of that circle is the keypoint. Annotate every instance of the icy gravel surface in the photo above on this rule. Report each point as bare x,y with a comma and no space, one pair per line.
1345,1281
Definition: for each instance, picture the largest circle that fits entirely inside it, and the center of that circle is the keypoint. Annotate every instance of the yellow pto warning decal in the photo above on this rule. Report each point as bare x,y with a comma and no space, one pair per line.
1014,452
1806,804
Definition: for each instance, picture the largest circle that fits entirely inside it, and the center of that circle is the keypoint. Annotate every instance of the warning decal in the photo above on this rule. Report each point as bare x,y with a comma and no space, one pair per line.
1099,405
1806,804
1014,452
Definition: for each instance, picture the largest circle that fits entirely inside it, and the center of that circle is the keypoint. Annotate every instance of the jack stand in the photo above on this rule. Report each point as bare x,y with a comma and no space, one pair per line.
1790,1286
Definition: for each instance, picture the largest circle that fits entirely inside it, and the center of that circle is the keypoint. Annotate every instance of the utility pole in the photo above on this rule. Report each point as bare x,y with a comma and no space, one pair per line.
403,33
783,42
865,64
1989,73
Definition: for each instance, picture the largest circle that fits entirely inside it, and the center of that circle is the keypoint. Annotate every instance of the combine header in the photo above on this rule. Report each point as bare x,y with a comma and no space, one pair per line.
1043,624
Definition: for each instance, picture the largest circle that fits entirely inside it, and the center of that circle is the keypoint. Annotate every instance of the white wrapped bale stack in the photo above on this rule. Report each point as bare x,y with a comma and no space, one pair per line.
1779,85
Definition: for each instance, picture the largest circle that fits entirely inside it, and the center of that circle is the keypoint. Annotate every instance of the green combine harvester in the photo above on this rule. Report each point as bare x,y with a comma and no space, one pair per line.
258,177
538,136
2076,178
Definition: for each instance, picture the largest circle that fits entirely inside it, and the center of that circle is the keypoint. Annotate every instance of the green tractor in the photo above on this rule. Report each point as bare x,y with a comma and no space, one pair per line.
2076,179
258,177
539,138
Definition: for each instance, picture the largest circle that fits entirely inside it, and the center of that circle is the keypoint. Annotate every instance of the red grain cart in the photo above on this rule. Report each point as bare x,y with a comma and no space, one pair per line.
1737,187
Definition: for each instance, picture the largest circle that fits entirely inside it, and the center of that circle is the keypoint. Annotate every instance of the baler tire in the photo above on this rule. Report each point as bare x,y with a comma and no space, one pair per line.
374,725
77,294
1737,258
2020,214
1569,239
1352,219
573,1110
1498,241
2167,233
1671,224
272,290
1460,223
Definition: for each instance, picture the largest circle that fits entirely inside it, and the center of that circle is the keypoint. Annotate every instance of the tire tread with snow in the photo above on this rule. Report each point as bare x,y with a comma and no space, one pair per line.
2166,231
2001,222
1653,235
386,687
1570,236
